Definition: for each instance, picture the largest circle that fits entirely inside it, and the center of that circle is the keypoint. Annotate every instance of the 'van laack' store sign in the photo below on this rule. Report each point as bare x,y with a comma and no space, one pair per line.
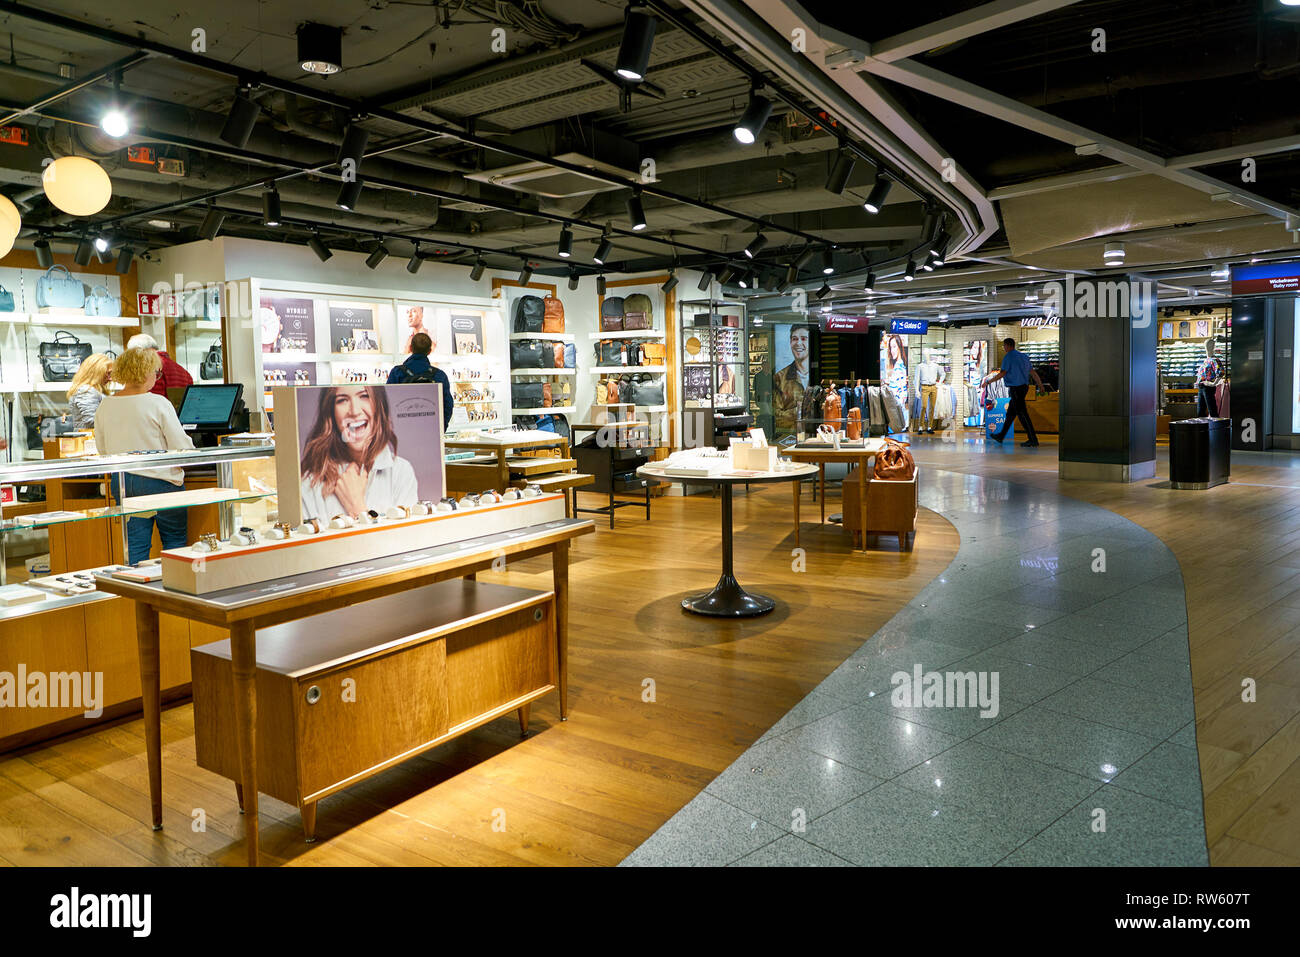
1265,278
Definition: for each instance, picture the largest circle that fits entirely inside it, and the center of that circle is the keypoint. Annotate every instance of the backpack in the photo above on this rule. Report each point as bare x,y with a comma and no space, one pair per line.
638,312
570,356
611,314
529,314
552,315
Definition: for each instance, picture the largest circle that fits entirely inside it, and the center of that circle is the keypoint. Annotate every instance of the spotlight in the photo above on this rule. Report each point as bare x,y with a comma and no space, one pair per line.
603,250
828,261
634,210
349,193
791,275
746,280
909,274
103,253
573,278
753,119
319,248
320,48
101,244
271,207
124,260
756,246
476,273
44,257
634,51
240,120
600,285
875,201
566,243
378,255
840,173
1114,254
928,264
670,283
824,291
115,122
415,262
355,139
940,251
805,257
870,284
525,274
1031,295
211,225
82,256
706,280
728,273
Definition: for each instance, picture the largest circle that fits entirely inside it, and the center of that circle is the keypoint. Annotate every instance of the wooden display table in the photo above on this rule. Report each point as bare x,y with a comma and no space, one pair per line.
499,466
861,456
244,610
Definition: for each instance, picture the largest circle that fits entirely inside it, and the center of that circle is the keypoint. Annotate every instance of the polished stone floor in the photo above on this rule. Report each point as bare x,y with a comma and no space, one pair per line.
1090,759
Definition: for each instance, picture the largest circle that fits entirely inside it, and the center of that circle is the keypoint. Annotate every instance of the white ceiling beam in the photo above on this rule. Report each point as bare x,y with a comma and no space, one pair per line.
944,86
960,26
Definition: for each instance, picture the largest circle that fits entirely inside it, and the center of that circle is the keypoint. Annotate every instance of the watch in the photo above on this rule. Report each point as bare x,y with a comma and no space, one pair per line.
511,495
310,526
208,542
489,497
367,518
245,536
398,511
468,501
281,530
422,508
340,521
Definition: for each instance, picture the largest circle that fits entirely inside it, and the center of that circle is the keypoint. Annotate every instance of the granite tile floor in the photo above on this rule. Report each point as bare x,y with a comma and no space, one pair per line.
1090,758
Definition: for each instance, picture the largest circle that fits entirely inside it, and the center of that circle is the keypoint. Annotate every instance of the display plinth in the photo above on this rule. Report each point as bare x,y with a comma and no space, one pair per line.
200,573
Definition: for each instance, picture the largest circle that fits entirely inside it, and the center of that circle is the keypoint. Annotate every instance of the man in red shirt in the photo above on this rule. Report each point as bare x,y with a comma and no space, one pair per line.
172,375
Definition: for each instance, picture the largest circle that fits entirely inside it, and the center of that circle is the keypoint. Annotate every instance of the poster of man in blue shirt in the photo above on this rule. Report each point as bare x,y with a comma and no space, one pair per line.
1017,370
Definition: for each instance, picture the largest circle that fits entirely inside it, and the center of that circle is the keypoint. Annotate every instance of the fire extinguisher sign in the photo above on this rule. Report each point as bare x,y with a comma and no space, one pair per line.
148,304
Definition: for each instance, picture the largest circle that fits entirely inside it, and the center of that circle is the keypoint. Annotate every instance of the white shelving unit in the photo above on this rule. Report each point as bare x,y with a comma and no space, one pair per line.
628,334
67,319
548,336
607,370
543,371
547,410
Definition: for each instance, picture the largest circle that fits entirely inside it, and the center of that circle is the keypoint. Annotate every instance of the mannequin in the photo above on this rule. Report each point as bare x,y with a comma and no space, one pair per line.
929,377
1208,376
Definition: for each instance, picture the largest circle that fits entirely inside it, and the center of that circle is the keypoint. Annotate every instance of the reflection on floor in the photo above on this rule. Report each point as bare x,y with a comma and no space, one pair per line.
1090,757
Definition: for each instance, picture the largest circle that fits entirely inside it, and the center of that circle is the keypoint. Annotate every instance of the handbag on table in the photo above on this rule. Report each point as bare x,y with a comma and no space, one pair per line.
57,289
101,303
894,463
60,358
212,366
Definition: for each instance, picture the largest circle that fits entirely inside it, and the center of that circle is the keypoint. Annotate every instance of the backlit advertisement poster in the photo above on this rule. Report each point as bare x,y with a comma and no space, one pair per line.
288,324
893,366
791,358
352,327
467,333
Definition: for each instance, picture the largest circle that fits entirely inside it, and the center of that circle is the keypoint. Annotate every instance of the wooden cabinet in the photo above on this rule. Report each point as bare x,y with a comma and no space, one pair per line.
56,648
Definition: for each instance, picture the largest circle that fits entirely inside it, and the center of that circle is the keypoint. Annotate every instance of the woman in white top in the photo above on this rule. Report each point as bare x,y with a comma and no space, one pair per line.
136,420
88,388
349,461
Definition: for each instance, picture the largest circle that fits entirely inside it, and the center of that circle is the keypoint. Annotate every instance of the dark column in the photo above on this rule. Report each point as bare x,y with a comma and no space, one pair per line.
1108,379
1251,395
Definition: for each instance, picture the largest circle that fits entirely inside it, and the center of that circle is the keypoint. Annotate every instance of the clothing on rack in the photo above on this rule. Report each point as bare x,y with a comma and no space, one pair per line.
1222,395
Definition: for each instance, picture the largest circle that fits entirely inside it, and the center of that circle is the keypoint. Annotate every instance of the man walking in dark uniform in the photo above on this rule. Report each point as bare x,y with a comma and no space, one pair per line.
1017,370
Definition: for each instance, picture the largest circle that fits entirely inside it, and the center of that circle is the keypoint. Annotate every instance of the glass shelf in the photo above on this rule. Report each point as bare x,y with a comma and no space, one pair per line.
33,473
120,511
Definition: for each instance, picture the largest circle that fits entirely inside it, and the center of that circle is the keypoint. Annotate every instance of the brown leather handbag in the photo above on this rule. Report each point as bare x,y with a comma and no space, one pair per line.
611,387
653,354
546,395
831,406
854,427
894,463
552,315
558,350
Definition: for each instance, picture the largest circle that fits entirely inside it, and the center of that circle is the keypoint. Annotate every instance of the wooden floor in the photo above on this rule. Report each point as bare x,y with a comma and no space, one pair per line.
586,791
1239,549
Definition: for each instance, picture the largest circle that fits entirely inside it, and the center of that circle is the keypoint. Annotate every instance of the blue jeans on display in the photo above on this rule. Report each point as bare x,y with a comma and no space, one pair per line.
173,524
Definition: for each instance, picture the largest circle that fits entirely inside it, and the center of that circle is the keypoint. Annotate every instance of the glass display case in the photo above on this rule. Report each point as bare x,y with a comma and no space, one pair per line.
715,370
58,515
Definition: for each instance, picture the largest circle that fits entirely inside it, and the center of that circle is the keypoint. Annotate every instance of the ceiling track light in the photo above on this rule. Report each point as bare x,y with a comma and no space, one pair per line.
271,207
241,119
635,212
756,246
525,274
319,248
212,222
600,285
805,256
353,150
638,41
349,193
727,274
909,274
123,264
476,273
928,264
828,261
378,255
1113,254
670,283
841,170
939,251
870,284
573,278
415,262
751,123
44,257
706,280
82,256
565,248
875,200
320,48
824,291
603,250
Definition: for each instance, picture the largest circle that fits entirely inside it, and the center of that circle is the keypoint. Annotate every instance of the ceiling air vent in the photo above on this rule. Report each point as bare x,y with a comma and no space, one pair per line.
543,179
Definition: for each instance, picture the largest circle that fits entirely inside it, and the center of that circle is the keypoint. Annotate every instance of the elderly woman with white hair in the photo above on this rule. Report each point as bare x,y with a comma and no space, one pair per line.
172,375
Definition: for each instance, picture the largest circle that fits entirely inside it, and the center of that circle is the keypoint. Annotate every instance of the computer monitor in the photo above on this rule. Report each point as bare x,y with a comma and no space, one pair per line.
208,408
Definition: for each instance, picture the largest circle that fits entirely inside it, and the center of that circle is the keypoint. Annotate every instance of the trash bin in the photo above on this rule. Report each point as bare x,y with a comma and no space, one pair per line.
1199,452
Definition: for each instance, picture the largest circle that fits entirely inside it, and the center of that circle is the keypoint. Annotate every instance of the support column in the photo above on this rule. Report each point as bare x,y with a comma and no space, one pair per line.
1250,396
1108,378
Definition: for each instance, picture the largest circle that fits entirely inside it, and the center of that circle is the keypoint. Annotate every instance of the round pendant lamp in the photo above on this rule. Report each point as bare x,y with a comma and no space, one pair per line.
6,242
10,219
77,185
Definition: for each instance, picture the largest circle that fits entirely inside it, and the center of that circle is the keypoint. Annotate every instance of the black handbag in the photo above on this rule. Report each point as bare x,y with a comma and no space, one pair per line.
33,424
610,353
529,354
529,395
647,393
60,358
212,367
529,312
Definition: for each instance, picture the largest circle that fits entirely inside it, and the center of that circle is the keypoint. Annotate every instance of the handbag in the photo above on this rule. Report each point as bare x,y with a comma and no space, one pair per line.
60,358
831,406
552,315
894,463
101,303
647,393
58,289
557,354
528,354
570,356
633,357
530,313
611,391
610,352
611,314
528,395
212,366
6,300
547,399
854,427
602,393
653,354
53,426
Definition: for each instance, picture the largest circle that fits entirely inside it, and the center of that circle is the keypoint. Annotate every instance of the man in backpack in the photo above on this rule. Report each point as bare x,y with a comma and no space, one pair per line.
418,368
